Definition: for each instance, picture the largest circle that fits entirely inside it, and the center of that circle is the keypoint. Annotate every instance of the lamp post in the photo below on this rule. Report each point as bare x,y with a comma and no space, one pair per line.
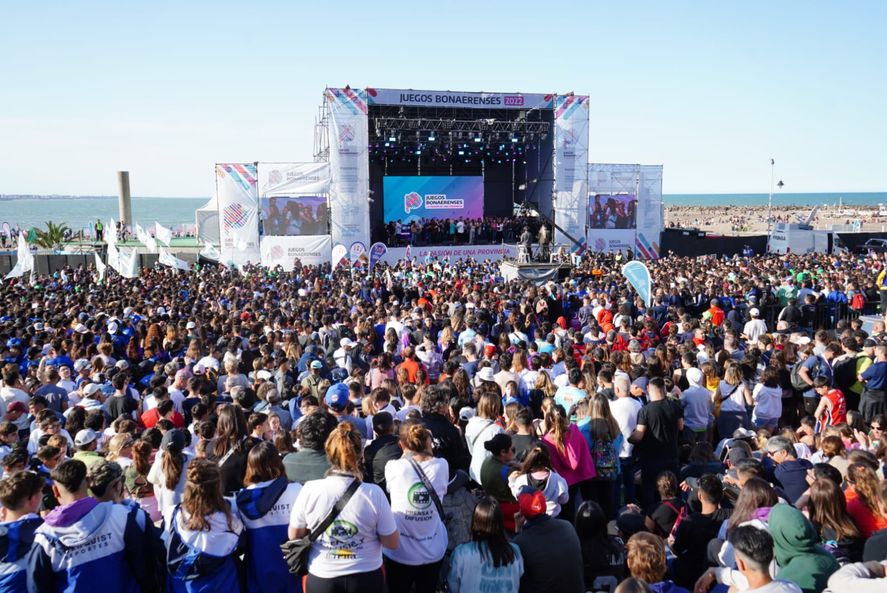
770,200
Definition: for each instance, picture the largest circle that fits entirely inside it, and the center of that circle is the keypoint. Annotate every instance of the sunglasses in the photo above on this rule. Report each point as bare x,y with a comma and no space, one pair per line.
878,428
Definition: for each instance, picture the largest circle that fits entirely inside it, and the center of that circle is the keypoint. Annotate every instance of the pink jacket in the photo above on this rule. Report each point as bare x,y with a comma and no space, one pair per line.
575,464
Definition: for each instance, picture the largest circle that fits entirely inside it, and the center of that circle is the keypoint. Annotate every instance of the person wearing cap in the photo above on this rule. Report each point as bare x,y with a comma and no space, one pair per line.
87,545
339,404
86,443
314,379
755,327
549,547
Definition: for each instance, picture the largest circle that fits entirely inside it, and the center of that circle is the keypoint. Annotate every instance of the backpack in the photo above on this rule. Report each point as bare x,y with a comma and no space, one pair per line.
857,303
682,514
605,461
799,383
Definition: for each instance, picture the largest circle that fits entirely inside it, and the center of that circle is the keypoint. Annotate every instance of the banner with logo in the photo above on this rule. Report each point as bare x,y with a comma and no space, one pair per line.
650,216
611,206
429,254
236,189
458,99
349,166
377,251
340,252
357,254
570,167
284,251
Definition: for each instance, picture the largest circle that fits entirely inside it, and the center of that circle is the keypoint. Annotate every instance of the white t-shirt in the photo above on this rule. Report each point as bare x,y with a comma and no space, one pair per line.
625,411
556,491
477,432
423,537
351,544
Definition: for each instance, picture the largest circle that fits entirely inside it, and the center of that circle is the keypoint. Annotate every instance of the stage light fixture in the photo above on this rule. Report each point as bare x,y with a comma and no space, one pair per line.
461,152
514,139
392,139
477,138
387,144
431,137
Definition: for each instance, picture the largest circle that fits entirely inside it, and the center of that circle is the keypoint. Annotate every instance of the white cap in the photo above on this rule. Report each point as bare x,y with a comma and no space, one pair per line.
346,343
486,374
754,312
190,325
122,365
263,375
80,364
81,329
84,437
92,389
112,327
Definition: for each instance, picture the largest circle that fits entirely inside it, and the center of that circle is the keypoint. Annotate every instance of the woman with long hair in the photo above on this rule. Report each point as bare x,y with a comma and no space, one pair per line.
605,439
538,473
756,499
168,472
603,555
135,479
203,535
730,399
767,396
827,510
231,447
423,535
264,507
481,428
489,561
347,556
863,499
570,455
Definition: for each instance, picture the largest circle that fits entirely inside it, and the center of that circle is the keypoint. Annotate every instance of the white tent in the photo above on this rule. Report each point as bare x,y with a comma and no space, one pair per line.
207,219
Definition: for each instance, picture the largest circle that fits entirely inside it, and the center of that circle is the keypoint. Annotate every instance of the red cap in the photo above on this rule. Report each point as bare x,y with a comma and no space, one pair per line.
531,502
244,316
489,350
13,406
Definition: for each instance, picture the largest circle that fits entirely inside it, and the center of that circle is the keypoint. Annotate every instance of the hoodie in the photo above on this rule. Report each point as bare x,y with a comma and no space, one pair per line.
799,559
265,511
667,587
88,545
16,538
203,560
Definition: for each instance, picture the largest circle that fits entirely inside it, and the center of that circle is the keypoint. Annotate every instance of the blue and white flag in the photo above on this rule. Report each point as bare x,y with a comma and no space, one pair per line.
638,276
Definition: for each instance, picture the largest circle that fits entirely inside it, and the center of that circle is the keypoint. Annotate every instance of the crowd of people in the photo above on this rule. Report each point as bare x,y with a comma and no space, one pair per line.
456,231
431,427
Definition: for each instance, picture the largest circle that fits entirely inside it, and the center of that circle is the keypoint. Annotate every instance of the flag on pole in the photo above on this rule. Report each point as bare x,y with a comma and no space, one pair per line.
100,267
24,259
163,234
111,232
638,276
168,259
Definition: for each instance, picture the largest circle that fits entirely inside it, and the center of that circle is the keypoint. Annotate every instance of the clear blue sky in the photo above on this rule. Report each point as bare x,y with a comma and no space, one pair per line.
711,90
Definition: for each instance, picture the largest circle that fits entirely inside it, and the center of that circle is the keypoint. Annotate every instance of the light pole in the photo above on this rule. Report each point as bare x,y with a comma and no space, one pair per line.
770,200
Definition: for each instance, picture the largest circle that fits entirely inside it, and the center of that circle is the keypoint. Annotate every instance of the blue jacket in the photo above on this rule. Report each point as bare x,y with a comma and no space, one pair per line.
203,562
88,546
16,538
265,511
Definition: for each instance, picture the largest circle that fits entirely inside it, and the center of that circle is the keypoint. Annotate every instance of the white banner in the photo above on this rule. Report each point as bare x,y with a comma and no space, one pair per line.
168,259
570,166
293,179
650,219
349,166
238,213
24,259
477,252
284,251
611,240
125,261
100,267
458,99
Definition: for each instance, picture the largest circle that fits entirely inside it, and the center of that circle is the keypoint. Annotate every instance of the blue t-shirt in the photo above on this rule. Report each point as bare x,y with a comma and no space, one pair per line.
824,370
876,376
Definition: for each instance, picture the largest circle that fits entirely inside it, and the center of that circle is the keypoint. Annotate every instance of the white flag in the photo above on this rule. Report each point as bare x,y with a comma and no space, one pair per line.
100,267
24,259
113,256
151,244
128,263
168,259
111,232
141,235
211,253
163,234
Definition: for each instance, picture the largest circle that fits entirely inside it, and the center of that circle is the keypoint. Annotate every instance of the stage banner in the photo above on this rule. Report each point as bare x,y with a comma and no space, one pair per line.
340,252
349,166
357,254
611,240
238,212
377,250
650,218
440,197
284,251
293,198
426,255
570,167
458,99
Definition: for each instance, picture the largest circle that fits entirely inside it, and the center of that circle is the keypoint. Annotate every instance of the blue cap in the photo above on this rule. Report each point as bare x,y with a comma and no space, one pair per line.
337,396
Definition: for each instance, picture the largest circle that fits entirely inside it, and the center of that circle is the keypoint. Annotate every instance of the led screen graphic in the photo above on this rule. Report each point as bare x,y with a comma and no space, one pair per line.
439,197
612,211
293,216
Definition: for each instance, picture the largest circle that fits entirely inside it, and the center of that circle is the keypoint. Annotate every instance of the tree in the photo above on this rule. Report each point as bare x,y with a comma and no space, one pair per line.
54,236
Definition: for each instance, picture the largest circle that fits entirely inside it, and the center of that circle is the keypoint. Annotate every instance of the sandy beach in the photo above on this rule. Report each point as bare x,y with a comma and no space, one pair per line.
752,220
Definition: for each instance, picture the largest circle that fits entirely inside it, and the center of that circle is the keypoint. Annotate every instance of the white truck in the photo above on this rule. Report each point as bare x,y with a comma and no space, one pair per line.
803,238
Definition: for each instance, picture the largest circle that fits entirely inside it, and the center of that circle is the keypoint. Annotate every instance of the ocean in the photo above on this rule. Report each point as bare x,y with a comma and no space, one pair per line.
81,212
